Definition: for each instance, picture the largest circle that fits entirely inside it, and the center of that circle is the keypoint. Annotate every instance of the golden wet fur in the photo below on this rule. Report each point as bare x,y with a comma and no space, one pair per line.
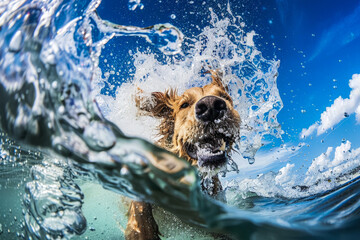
179,126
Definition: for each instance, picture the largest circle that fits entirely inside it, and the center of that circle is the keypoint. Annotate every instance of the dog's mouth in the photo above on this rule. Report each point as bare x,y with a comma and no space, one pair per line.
210,152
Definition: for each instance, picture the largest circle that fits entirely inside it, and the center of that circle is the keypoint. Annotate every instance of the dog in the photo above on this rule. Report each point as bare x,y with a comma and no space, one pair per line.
201,126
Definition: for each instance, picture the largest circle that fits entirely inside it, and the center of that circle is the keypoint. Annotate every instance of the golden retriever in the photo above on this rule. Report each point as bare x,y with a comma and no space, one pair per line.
201,126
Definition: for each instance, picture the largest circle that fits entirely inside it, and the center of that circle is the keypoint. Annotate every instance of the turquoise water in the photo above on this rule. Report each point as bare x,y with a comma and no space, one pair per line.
68,72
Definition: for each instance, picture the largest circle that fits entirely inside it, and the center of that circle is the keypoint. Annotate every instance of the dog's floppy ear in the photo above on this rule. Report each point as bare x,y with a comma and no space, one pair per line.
157,104
216,76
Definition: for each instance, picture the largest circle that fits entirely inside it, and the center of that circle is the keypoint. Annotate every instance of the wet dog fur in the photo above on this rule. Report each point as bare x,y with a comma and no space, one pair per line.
201,126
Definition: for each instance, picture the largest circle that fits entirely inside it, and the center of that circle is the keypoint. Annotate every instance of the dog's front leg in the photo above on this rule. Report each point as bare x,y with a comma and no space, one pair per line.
141,224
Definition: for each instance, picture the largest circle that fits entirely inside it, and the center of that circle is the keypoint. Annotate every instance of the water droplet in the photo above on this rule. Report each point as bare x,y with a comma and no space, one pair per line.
343,140
346,114
322,141
251,160
133,4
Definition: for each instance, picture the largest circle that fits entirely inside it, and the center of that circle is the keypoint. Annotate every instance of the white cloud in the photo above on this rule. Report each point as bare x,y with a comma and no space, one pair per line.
285,175
327,171
308,131
331,166
340,109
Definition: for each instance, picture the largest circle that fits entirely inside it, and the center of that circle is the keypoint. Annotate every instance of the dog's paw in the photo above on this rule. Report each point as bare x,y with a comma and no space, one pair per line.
141,234
141,224
142,230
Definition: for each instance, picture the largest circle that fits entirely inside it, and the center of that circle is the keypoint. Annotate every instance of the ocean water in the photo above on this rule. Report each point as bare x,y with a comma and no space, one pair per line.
74,149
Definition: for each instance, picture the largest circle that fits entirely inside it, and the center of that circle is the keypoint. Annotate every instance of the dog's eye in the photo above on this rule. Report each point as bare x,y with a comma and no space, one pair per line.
226,97
184,105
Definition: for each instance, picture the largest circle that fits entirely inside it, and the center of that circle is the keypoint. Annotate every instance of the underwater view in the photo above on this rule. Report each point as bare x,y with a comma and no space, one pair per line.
98,110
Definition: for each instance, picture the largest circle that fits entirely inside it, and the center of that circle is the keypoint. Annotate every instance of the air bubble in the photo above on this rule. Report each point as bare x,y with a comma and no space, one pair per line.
16,42
172,16
54,85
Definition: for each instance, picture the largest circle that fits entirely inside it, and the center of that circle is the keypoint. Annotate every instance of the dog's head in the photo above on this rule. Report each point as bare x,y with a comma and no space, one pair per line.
201,125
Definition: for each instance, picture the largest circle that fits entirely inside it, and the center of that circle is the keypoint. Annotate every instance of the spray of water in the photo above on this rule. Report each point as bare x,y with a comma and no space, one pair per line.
223,45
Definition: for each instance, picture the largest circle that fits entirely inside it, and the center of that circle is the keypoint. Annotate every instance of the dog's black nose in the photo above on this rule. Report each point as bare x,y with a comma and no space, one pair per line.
210,108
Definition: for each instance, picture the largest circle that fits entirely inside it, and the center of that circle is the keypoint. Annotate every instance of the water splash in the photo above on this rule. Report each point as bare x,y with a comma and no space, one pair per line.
133,4
223,45
165,37
53,202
